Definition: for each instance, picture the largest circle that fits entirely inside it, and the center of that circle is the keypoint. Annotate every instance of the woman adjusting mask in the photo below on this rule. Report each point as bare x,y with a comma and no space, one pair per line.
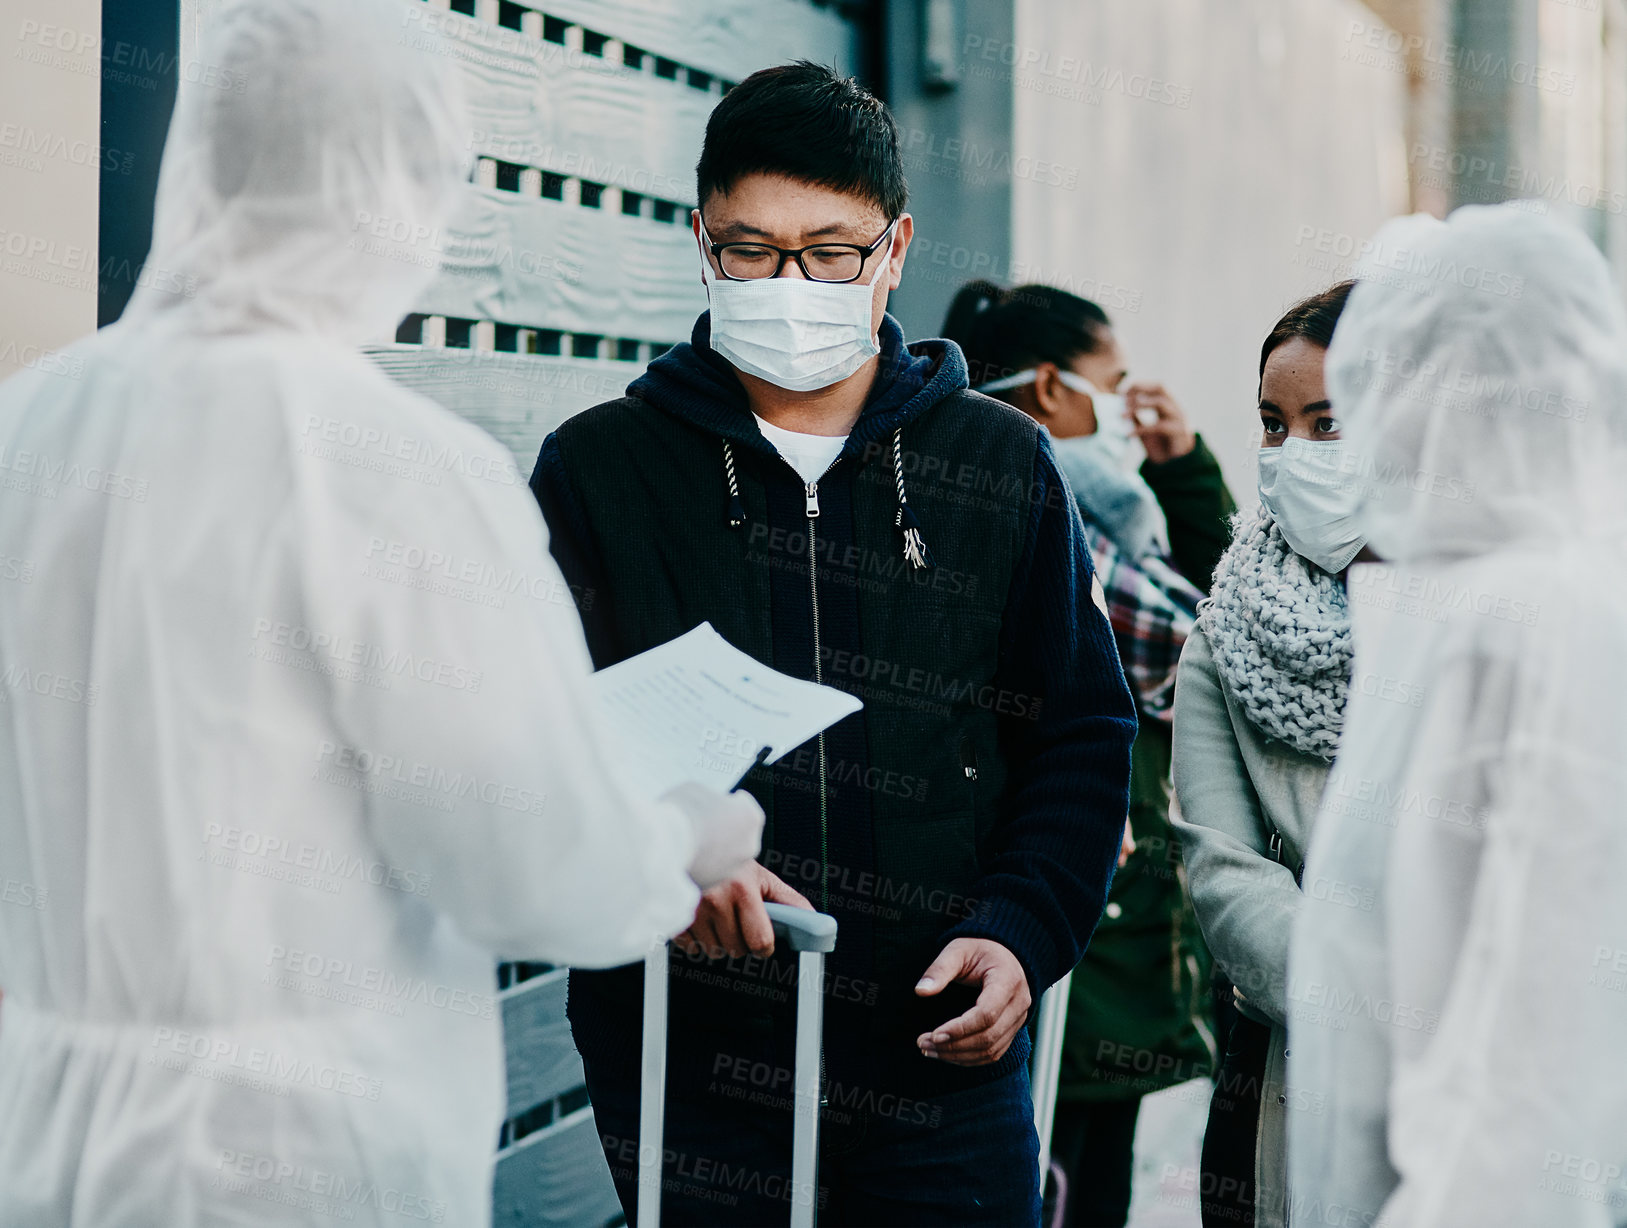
1057,358
1306,483
1112,434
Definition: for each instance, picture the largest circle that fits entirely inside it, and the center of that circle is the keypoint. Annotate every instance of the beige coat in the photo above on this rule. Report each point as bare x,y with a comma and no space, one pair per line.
1233,787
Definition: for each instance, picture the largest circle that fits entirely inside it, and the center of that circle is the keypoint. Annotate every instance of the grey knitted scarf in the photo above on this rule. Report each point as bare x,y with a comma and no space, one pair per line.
1280,631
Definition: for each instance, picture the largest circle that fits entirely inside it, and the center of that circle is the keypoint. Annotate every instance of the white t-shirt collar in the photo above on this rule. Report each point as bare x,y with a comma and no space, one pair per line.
809,455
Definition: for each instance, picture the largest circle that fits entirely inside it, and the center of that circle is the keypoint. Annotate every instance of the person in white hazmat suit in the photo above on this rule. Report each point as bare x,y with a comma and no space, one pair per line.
1458,976
295,734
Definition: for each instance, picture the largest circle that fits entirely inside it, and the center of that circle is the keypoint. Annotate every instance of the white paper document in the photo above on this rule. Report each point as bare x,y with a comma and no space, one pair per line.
697,708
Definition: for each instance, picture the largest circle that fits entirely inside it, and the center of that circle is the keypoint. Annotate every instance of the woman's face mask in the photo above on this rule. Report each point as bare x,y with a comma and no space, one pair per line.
1309,491
1113,437
798,335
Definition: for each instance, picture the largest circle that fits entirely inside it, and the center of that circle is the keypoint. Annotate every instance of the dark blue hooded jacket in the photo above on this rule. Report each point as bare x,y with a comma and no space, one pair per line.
990,675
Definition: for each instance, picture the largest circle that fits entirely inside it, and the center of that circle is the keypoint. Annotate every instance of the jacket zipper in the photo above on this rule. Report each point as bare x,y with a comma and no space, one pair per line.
810,491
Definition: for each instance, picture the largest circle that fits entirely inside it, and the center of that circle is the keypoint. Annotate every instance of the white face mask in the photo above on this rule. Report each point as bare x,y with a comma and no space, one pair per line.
1308,491
1113,438
798,335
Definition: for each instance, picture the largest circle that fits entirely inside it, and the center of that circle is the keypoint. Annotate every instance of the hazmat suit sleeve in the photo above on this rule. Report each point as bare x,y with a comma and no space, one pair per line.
1504,886
1358,1016
306,210
503,780
1246,902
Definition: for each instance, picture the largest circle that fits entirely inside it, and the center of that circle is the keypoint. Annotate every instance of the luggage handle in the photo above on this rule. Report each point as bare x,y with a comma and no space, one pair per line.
802,928
812,935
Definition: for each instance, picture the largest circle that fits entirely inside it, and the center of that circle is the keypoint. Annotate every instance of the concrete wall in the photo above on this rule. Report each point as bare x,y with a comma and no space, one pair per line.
1216,163
959,155
1577,167
50,152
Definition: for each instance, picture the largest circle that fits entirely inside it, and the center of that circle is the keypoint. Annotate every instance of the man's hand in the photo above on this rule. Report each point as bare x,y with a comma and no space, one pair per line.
984,1033
1168,435
731,919
1127,845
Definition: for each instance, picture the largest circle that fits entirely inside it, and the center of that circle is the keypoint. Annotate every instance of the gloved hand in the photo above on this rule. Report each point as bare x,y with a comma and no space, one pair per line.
728,830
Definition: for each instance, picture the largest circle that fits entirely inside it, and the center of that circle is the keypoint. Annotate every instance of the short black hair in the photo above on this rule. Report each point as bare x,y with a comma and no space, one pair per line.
1311,319
1003,331
805,122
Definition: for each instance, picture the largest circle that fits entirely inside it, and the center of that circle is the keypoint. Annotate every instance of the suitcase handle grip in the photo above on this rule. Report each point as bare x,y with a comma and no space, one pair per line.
803,928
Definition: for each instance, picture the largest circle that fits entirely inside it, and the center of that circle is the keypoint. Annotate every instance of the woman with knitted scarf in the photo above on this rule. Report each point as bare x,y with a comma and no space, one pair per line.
1259,703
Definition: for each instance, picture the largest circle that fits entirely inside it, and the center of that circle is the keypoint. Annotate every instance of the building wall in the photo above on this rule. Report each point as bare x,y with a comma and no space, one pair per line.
50,154
1514,99
1577,169
955,128
1217,162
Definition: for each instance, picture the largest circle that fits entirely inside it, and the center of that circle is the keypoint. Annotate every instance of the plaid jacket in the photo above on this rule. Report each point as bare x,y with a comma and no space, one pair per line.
1152,608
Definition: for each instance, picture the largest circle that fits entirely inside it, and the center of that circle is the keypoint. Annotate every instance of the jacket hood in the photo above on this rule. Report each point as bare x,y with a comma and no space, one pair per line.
1480,371
693,382
306,184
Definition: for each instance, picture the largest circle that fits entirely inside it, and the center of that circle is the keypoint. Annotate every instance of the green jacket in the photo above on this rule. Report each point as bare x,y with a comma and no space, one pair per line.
1139,1016
1199,508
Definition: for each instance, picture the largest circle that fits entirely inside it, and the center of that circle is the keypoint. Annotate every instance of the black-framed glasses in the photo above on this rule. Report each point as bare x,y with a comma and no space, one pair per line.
829,262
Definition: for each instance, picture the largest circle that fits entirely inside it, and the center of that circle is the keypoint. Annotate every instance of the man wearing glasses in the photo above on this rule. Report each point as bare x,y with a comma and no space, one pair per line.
836,503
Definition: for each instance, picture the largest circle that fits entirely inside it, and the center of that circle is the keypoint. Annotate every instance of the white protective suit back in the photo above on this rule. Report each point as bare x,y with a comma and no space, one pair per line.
1458,976
294,731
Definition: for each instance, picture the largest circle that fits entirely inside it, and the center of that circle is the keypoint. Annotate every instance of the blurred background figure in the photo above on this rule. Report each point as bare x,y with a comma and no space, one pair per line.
1259,706
279,792
1467,868
1138,1013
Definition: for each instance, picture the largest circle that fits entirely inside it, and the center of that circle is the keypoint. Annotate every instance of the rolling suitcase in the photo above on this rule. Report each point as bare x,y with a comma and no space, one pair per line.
812,935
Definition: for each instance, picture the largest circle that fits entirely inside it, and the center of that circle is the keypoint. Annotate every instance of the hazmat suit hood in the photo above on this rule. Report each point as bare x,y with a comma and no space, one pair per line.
1480,373
308,174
